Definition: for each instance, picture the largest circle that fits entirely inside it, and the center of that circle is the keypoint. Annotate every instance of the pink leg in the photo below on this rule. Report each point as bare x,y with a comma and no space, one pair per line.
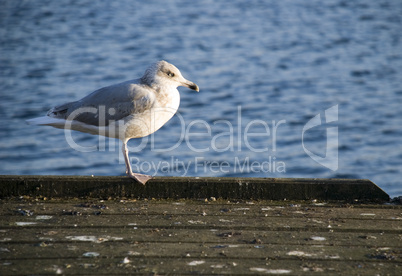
142,178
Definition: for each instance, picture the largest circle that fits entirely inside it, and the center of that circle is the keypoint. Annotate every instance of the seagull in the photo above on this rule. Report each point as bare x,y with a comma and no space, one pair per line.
131,109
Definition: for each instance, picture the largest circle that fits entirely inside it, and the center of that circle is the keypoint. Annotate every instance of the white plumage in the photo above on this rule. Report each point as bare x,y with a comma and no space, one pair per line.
130,109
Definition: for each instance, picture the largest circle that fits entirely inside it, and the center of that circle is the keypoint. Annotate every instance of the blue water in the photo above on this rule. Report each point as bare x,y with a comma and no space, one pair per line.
261,66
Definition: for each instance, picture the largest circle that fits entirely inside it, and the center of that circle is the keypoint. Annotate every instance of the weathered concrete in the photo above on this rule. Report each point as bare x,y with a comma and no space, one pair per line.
192,188
113,237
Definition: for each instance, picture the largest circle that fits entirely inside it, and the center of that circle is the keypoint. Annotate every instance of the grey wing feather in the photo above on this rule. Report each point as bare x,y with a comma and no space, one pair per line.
107,104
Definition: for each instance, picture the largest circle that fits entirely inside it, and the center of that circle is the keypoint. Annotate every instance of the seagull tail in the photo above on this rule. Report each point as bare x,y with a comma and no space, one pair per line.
72,125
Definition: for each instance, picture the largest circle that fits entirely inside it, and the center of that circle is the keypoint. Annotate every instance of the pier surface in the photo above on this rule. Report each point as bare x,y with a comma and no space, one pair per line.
43,231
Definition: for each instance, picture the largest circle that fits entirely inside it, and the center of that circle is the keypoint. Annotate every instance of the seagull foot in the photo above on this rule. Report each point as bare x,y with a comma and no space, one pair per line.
142,178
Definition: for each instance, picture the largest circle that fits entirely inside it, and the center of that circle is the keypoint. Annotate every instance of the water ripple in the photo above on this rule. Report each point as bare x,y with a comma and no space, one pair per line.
278,60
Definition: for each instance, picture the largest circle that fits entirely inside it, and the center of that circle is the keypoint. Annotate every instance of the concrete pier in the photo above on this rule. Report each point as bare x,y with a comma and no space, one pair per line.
112,226
192,187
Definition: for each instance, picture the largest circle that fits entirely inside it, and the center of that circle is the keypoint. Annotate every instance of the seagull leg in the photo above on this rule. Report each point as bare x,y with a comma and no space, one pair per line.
142,178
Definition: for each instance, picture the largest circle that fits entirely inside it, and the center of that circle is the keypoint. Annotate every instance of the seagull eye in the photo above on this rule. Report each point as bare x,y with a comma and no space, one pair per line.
170,74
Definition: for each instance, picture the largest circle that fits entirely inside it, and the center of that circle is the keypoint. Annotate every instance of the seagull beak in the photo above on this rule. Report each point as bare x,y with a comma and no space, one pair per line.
191,85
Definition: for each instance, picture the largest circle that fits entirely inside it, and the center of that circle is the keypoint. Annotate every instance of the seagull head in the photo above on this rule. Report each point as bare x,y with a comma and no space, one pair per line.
163,73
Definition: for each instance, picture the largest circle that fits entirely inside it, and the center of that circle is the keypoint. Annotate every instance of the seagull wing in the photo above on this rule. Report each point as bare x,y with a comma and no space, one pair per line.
108,104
